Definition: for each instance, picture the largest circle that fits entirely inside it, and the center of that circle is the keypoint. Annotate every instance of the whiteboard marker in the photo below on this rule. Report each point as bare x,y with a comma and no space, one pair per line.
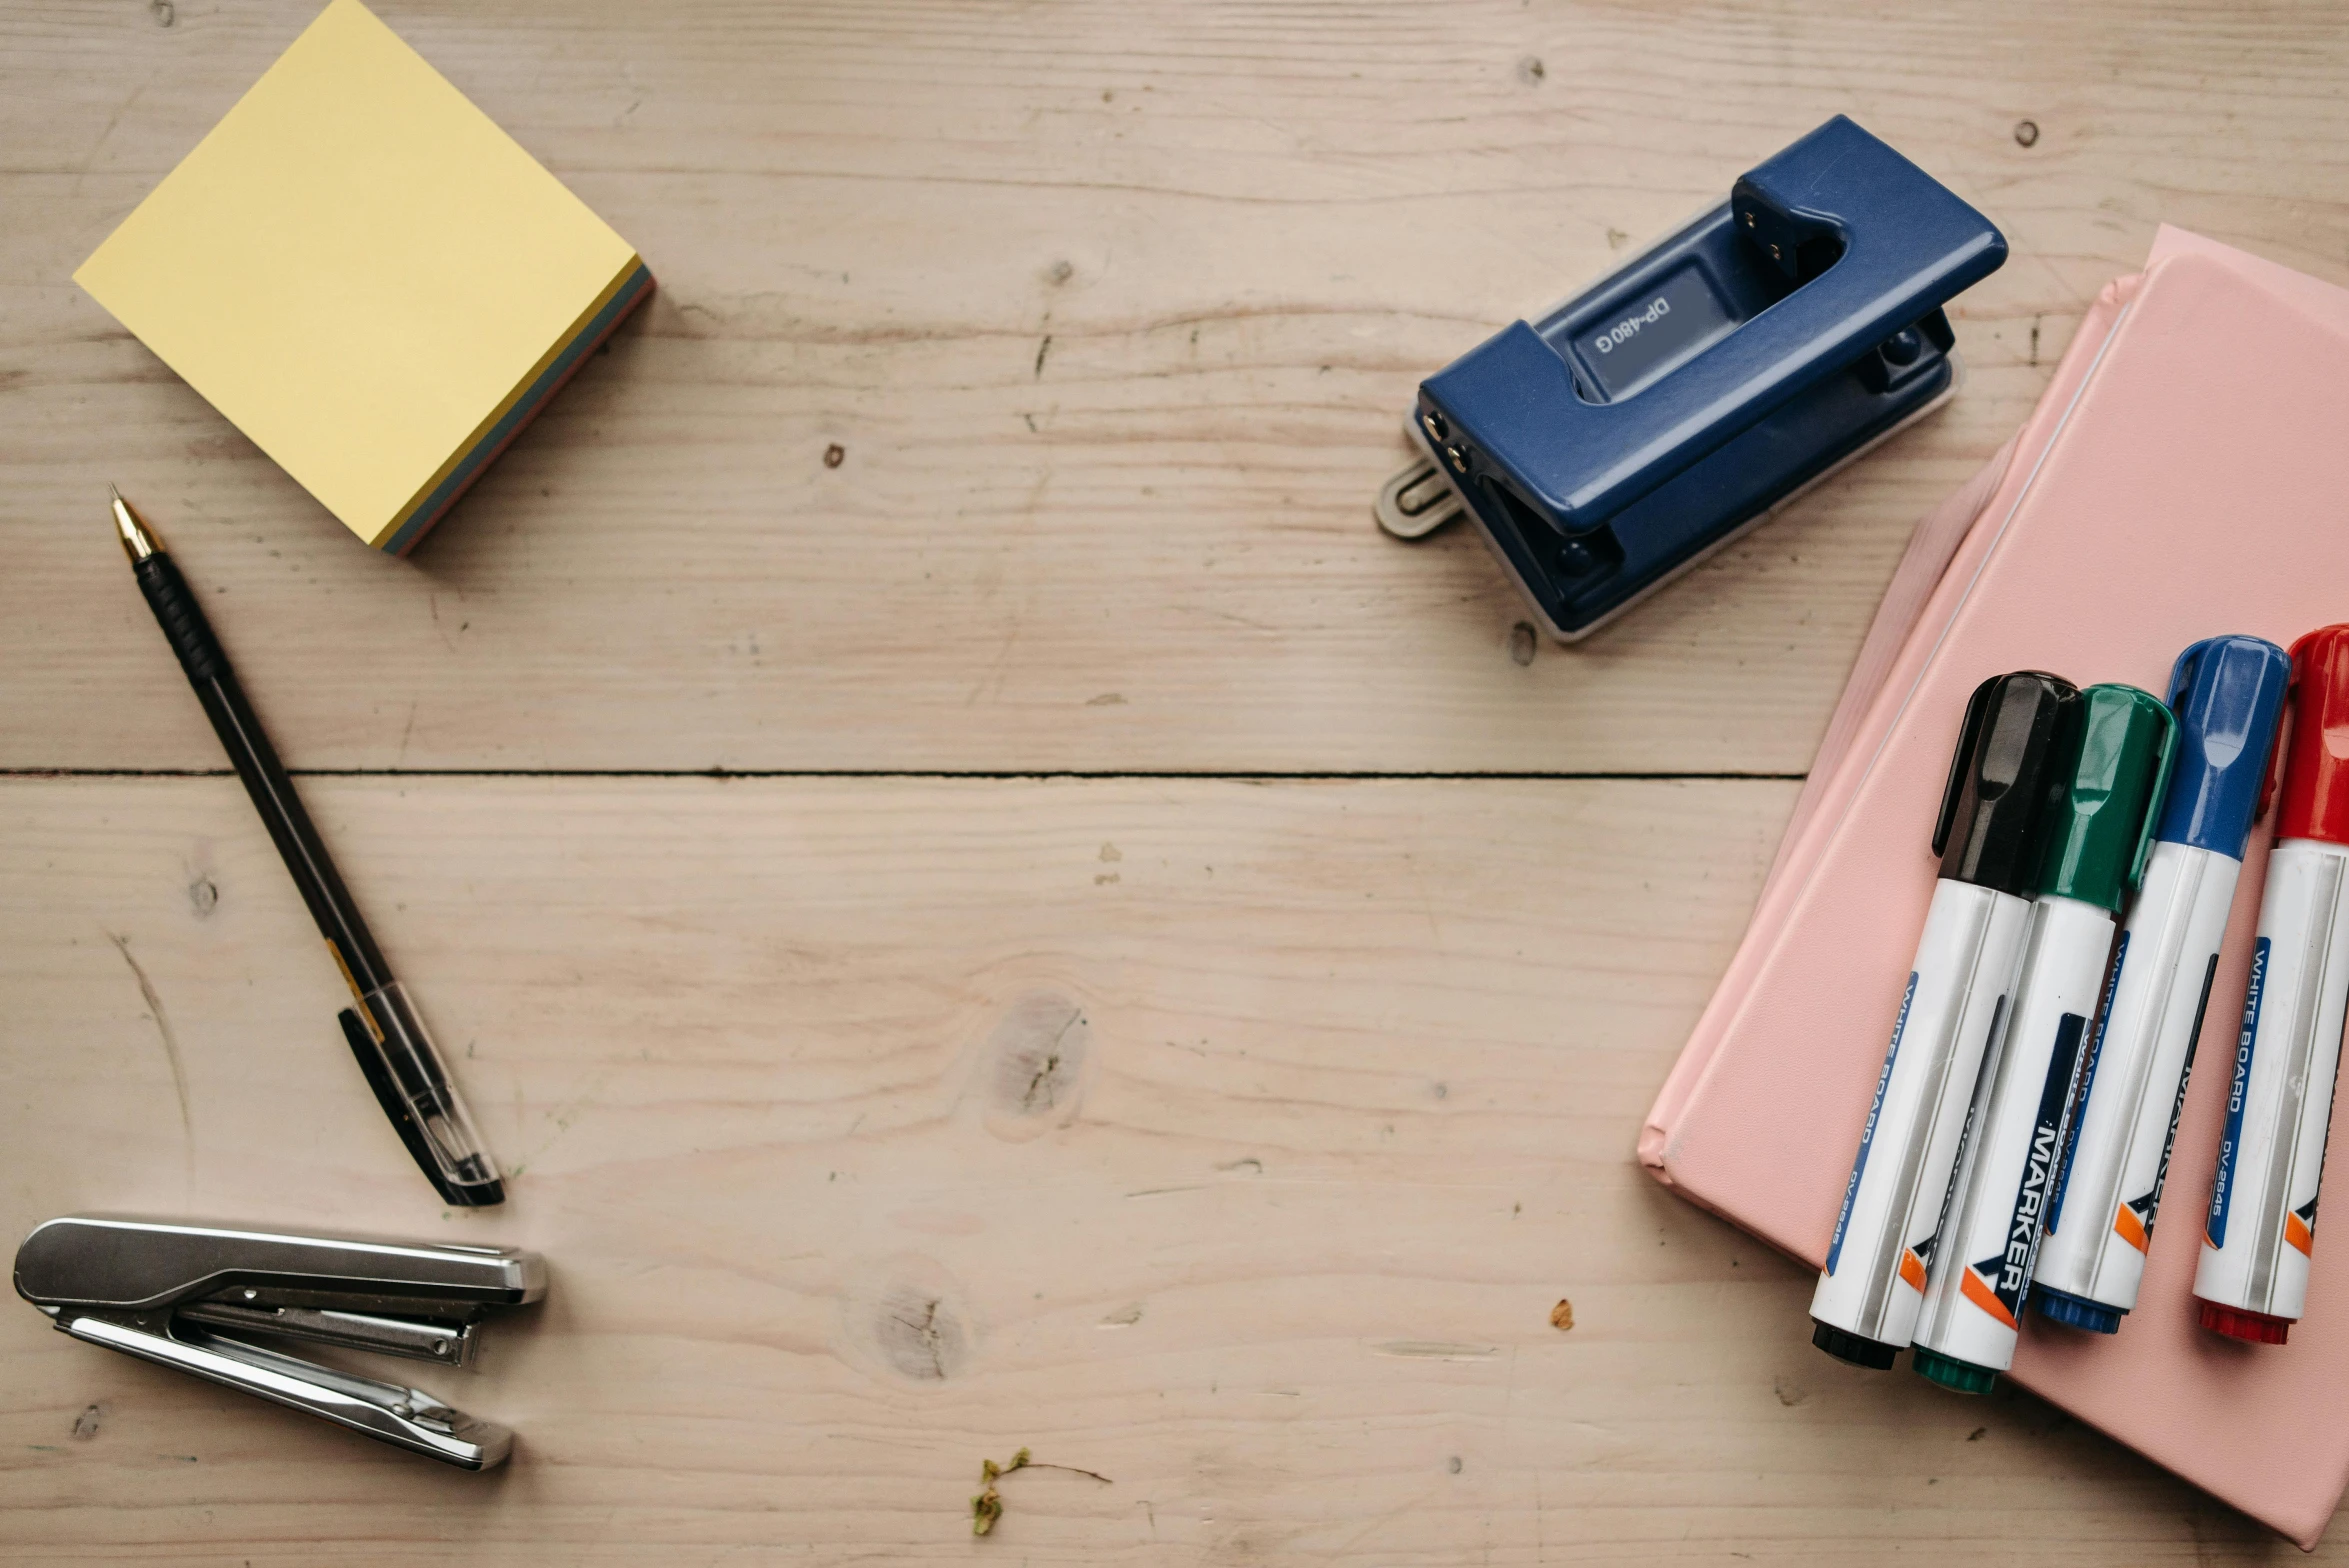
2228,693
2096,843
2261,1226
2009,761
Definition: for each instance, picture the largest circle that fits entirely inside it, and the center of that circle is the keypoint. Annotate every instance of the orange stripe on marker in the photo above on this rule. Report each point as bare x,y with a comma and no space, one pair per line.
2129,1227
1912,1269
2296,1232
1977,1290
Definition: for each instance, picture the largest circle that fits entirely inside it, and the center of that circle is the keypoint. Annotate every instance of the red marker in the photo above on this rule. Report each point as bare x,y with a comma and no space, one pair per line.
2260,1230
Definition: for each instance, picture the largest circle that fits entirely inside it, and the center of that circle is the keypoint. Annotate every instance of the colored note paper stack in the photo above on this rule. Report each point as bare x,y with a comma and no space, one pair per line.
367,276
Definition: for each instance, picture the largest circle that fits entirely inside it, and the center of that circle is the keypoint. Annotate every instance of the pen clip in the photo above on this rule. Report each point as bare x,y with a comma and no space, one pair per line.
395,1106
2163,766
1977,709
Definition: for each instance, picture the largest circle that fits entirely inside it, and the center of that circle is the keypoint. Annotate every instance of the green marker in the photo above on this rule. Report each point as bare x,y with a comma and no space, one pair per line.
2008,1171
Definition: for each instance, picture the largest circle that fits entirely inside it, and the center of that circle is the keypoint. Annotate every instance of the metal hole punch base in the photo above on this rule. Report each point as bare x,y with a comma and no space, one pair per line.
1417,501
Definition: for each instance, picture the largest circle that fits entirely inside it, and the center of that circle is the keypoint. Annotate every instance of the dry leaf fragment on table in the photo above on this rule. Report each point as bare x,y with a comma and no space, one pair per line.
987,1507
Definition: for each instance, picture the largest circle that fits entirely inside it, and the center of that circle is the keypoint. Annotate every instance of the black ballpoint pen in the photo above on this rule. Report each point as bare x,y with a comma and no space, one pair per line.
385,1032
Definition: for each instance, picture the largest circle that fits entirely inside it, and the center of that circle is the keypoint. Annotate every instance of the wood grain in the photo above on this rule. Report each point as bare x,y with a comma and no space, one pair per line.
1114,315
1234,1141
1236,1138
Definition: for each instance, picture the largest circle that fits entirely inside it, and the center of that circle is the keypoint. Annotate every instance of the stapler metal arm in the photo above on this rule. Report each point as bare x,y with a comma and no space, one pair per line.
184,1296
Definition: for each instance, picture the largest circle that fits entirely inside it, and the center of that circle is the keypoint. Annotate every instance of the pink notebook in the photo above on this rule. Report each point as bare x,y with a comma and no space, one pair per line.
2185,475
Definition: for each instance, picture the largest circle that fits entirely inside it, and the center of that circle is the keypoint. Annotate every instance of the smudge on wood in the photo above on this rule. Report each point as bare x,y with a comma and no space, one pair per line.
1434,1350
179,1076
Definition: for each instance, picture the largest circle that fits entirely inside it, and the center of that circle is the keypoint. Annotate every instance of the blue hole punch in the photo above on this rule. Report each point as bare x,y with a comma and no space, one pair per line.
1657,415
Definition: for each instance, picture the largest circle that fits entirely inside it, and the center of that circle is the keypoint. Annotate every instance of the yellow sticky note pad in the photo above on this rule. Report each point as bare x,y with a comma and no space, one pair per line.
367,276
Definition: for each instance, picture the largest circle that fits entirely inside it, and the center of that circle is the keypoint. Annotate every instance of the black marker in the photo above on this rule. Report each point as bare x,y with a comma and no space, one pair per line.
2006,774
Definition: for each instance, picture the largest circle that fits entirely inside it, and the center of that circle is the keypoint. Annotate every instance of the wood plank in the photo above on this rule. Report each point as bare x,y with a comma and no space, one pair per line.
1235,1141
1112,314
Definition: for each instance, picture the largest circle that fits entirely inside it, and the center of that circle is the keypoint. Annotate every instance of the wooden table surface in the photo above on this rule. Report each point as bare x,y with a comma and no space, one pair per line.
1040,927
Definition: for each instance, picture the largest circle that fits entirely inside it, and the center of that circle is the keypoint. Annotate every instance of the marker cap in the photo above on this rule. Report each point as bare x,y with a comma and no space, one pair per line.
1961,1377
1858,1349
2228,693
2008,770
2100,832
2061,1306
2316,763
2258,1328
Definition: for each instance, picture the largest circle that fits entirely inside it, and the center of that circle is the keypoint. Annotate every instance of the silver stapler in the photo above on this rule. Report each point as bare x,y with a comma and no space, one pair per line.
187,1295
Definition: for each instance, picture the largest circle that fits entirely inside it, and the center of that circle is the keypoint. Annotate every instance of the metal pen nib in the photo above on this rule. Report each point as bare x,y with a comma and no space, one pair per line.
137,542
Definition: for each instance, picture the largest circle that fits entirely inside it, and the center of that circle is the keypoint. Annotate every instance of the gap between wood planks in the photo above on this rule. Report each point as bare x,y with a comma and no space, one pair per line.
1238,775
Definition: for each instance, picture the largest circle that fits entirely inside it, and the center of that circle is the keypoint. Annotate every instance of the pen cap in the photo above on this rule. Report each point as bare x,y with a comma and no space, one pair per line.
2008,771
2099,834
2228,693
2316,762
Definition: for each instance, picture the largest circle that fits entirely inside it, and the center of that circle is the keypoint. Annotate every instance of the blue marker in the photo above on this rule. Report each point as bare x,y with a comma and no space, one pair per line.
2259,1234
2228,694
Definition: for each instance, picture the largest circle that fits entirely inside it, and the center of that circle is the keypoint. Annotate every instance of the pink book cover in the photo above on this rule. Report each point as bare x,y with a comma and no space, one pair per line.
2186,474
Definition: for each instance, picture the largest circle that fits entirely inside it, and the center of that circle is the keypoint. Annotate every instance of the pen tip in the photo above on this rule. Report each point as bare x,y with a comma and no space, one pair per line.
137,542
